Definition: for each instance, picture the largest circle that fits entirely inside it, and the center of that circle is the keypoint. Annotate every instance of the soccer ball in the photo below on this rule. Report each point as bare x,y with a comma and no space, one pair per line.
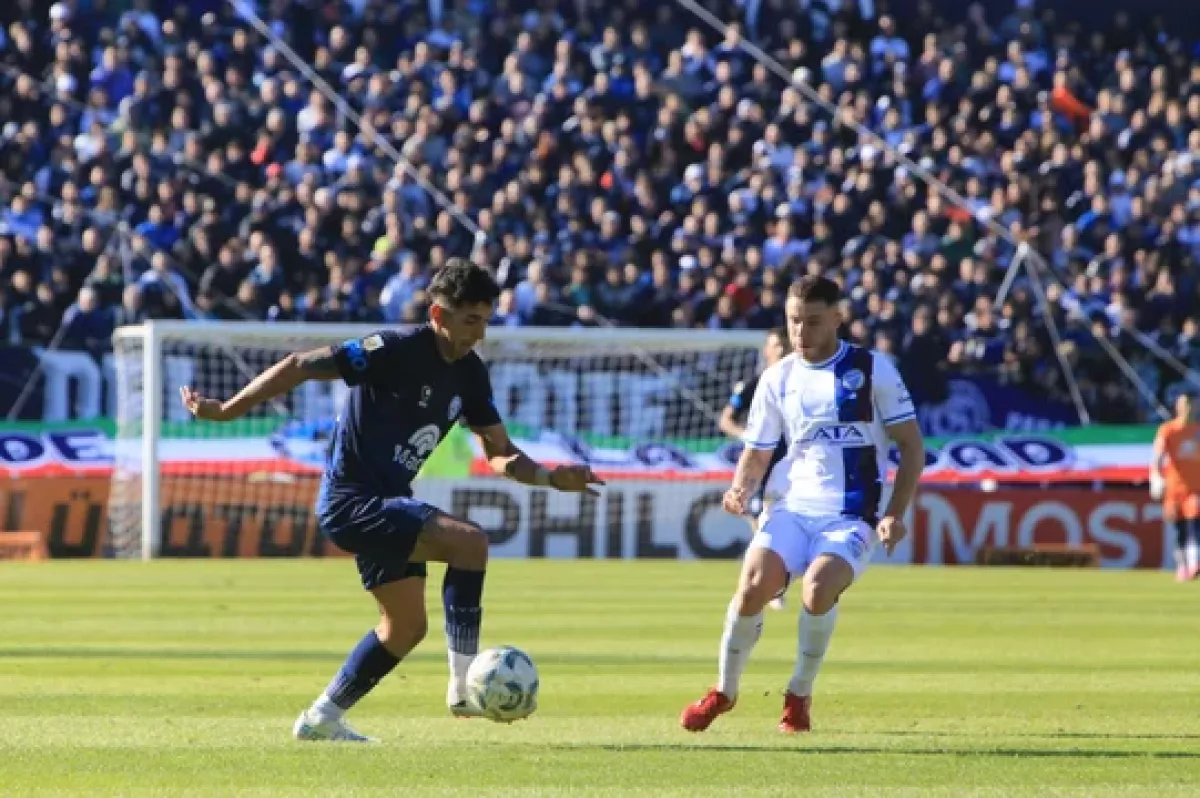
502,683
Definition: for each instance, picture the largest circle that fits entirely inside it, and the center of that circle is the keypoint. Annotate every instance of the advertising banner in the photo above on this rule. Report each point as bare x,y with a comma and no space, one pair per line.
1100,454
237,517
950,526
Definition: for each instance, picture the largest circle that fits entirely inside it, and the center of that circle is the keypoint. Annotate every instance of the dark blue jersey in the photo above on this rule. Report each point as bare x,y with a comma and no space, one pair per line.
404,398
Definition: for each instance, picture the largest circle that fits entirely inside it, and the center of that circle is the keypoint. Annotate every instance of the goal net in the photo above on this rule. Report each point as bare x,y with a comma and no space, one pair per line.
640,407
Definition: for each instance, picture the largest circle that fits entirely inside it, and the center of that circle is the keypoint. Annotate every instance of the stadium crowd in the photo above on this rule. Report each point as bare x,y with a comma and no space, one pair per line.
164,160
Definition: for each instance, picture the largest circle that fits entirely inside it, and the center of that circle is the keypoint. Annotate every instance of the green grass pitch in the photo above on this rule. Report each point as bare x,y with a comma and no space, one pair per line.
183,678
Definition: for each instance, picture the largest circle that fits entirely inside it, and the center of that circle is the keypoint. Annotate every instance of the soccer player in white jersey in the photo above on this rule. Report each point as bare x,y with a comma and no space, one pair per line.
733,423
839,407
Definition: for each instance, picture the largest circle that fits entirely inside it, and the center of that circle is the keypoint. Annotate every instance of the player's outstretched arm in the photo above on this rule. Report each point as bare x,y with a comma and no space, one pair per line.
751,467
293,370
505,458
907,437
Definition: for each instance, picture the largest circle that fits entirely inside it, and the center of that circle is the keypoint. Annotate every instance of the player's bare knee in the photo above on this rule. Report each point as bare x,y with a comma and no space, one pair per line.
819,595
459,544
755,590
417,631
471,549
750,599
388,633
825,582
763,576
401,634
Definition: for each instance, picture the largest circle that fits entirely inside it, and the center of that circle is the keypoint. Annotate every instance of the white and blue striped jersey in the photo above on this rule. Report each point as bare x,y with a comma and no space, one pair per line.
834,418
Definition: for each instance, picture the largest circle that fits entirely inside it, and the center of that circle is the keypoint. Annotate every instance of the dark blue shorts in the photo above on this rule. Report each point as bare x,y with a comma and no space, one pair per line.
380,533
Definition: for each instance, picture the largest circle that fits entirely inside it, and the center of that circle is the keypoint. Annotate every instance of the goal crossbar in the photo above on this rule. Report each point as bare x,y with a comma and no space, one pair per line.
633,368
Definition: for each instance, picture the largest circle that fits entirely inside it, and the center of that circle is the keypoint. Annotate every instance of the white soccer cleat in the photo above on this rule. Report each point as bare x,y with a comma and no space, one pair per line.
457,702
310,726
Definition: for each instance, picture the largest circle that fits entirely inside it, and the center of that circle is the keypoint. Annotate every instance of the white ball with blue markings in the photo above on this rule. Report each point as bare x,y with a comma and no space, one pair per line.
502,683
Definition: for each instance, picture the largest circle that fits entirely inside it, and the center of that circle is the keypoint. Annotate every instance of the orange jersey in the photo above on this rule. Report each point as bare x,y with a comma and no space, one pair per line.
1180,443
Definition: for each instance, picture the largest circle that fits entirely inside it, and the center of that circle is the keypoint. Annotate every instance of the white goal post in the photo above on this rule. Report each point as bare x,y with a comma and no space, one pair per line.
640,405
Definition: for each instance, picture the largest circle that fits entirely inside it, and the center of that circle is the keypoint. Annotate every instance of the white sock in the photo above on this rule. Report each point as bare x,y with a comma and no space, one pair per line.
1181,560
325,709
459,665
815,632
741,633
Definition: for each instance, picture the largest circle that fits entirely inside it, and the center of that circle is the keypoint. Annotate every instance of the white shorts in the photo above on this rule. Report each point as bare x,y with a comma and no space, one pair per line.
800,539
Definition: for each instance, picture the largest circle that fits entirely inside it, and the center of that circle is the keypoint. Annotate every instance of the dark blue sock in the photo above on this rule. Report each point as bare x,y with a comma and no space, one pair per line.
461,594
367,664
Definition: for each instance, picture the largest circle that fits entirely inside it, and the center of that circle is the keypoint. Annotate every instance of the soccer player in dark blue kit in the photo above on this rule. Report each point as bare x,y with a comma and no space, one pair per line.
408,389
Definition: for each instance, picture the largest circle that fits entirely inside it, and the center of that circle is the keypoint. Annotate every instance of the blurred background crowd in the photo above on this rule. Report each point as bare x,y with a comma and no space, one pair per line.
627,163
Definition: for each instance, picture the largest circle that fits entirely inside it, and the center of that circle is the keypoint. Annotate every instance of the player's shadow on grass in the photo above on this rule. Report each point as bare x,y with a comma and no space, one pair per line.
1032,753
207,654
1043,735
1101,736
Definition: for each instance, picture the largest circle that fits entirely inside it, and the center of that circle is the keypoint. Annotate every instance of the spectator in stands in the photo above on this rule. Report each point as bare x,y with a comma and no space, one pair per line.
87,325
622,163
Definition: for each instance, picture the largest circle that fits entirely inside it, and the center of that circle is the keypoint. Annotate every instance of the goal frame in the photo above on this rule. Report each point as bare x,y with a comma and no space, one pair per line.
154,334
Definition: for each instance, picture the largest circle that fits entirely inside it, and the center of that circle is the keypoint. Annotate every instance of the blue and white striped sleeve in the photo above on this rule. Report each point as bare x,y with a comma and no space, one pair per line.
892,399
764,426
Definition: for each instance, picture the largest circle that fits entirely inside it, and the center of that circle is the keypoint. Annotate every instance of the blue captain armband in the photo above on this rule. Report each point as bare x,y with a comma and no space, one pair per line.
356,355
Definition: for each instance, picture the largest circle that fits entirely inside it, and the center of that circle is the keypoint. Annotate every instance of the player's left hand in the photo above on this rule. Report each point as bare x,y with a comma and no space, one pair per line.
575,479
891,531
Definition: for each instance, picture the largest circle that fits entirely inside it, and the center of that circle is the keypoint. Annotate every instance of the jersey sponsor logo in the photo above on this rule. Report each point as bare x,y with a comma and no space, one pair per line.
853,379
372,342
455,408
412,455
839,433
356,355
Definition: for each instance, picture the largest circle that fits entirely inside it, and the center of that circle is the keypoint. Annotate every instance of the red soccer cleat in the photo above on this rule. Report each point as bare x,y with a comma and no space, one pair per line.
699,716
795,717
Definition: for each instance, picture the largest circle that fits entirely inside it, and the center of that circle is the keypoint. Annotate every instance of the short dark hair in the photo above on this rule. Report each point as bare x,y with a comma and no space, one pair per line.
781,334
461,282
811,288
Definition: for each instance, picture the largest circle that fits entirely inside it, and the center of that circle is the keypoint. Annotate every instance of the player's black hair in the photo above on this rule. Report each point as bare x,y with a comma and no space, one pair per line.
461,282
811,288
781,335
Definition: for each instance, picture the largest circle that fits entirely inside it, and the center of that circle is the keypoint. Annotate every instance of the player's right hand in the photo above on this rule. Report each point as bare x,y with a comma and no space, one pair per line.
202,408
734,501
